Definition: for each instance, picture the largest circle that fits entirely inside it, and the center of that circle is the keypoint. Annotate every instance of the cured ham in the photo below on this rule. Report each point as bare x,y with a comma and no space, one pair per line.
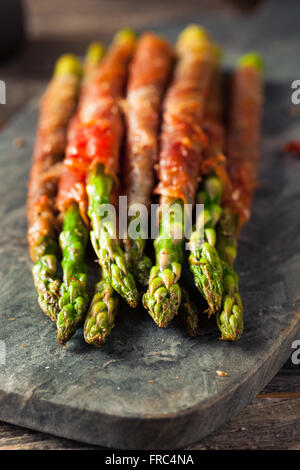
182,137
56,108
243,144
98,133
148,77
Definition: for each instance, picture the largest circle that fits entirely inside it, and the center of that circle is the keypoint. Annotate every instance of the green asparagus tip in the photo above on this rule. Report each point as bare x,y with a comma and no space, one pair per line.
68,64
141,269
214,187
163,304
207,269
251,59
125,35
47,285
138,262
230,320
95,52
192,34
73,304
110,254
101,315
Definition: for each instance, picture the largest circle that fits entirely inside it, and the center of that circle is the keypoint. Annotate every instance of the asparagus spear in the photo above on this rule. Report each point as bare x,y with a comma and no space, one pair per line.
204,260
188,316
103,236
101,315
103,123
243,155
138,262
56,109
74,298
94,55
230,318
74,236
163,296
45,279
179,164
148,75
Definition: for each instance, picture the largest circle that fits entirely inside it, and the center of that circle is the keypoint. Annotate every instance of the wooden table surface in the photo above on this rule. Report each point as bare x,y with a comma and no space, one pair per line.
272,420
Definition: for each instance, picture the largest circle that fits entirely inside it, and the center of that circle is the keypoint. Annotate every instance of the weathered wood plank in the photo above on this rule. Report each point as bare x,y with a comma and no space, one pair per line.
267,423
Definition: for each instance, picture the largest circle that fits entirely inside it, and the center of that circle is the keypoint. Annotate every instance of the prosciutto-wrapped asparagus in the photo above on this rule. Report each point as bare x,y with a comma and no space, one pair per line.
102,188
204,260
56,109
243,154
72,205
181,148
148,76
244,133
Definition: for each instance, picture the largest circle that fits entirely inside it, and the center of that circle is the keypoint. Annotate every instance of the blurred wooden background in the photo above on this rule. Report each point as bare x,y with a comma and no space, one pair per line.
272,420
58,26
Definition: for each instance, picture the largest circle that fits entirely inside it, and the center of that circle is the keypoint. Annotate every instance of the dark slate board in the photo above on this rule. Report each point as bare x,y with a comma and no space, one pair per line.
104,396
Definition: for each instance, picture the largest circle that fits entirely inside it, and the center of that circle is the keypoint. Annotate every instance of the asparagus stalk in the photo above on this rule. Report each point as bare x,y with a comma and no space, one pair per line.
138,262
243,154
204,259
103,236
148,76
188,315
104,305
94,55
230,318
101,179
163,296
45,279
101,315
74,298
105,302
73,240
42,226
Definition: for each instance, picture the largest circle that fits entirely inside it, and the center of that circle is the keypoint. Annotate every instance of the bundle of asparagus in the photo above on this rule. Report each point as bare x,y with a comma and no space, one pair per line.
204,260
190,148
